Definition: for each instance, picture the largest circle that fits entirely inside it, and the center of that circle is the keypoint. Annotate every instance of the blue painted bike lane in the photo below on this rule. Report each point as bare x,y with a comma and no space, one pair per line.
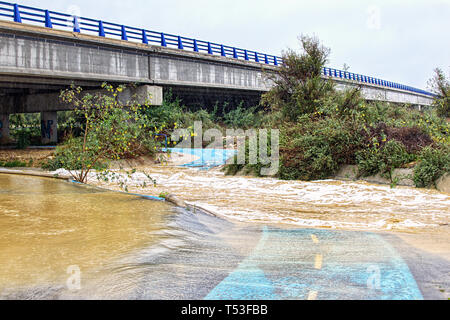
319,264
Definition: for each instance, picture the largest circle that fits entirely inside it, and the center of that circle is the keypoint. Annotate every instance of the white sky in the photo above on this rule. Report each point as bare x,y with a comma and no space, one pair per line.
396,40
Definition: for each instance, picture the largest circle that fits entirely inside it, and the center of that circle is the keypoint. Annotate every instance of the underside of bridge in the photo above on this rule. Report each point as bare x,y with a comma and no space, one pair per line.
25,95
196,98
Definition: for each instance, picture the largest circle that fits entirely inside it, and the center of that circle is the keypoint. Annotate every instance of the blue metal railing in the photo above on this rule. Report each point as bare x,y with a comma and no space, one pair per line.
345,75
52,19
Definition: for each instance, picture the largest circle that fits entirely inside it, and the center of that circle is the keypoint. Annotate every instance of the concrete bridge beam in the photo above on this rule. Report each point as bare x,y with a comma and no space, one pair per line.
48,102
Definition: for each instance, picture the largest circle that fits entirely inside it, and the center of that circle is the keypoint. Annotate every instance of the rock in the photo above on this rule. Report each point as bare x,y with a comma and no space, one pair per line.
350,172
175,200
443,183
347,172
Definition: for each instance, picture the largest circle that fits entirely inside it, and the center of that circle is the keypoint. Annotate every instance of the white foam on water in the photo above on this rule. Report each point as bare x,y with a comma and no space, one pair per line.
328,203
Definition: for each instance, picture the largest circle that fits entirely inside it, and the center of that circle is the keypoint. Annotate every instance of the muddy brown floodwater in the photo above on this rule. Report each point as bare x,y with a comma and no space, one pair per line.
48,225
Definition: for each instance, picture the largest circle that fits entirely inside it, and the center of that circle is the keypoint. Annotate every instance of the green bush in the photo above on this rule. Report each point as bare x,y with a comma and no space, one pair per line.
243,118
23,137
299,88
14,164
314,150
250,169
172,114
433,163
383,160
71,156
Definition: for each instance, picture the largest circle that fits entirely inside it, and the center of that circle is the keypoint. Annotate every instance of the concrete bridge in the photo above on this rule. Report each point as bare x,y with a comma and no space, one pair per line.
42,52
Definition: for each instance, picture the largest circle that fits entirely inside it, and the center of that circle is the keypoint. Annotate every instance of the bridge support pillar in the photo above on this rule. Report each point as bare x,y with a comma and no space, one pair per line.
49,127
4,129
144,94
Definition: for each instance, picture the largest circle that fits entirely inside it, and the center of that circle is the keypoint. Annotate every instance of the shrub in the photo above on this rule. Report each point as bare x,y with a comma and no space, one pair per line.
433,163
384,159
243,118
23,137
299,87
257,168
314,150
412,138
14,164
71,156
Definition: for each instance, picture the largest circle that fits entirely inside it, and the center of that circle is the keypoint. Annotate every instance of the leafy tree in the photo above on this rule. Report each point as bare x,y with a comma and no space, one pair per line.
440,85
111,131
298,85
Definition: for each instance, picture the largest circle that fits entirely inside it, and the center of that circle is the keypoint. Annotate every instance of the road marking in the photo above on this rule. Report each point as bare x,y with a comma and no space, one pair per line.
254,278
314,239
318,262
312,295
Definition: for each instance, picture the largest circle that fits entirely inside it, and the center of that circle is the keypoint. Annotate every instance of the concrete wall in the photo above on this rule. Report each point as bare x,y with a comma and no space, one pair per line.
379,93
46,58
169,70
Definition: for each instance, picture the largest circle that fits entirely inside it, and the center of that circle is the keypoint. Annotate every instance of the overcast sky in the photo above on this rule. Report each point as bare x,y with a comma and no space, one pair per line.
397,40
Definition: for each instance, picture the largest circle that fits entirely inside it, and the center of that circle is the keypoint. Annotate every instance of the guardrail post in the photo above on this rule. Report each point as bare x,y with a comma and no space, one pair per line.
144,37
195,46
124,33
180,43
275,61
209,48
101,30
222,51
235,55
256,57
266,59
17,14
76,24
246,55
48,20
163,40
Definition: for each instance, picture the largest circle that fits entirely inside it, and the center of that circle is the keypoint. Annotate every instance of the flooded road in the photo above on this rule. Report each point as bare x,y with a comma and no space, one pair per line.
126,247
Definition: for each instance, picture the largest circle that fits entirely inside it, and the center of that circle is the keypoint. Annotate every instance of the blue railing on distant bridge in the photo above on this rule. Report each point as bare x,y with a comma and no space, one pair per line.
52,19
